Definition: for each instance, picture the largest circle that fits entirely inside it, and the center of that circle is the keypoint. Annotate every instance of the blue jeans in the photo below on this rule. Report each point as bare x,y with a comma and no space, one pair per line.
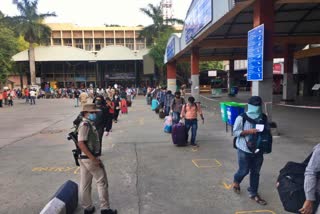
175,117
249,163
167,110
193,124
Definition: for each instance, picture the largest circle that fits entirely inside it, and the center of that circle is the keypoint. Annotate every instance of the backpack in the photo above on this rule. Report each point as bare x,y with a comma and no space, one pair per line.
291,185
262,140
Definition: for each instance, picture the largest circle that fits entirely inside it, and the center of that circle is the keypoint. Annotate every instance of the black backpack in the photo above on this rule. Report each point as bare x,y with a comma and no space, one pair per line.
261,140
291,185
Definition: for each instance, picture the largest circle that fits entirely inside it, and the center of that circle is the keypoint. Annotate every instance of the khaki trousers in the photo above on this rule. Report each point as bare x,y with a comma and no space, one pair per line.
89,170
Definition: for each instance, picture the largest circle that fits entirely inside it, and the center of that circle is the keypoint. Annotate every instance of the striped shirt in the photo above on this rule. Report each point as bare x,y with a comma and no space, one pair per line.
237,129
312,181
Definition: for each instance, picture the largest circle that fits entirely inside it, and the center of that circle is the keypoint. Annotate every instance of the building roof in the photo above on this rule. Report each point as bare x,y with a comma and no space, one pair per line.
296,22
56,53
66,53
70,26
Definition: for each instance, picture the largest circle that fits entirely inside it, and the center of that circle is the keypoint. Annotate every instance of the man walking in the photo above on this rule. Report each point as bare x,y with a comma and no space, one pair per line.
76,94
33,95
91,165
190,112
176,107
249,160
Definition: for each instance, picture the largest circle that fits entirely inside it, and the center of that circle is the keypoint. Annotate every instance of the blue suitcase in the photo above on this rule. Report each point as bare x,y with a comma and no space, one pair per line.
154,104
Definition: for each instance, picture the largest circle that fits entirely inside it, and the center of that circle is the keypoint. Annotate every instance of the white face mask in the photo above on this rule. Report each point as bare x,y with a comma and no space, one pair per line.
116,97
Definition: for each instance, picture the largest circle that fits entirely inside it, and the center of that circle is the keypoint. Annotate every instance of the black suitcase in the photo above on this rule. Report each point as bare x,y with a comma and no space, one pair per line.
291,185
162,115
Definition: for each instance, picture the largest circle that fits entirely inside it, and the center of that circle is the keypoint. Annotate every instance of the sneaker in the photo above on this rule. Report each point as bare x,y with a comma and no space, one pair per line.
89,211
109,211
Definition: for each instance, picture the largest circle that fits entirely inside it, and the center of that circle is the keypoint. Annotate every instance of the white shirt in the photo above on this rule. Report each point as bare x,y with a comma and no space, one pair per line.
32,93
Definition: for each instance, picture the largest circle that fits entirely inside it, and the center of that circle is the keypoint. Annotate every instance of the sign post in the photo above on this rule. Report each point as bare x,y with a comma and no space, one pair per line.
255,53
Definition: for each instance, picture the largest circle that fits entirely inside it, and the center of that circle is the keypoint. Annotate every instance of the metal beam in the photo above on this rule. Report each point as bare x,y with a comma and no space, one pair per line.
307,53
242,43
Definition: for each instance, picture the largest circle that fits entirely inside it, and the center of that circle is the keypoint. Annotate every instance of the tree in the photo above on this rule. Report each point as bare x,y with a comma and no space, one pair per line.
30,24
8,47
158,26
210,65
158,50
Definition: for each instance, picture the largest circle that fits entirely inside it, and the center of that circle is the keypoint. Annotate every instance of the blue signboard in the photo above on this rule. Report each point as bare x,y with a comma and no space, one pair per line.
255,54
171,49
199,16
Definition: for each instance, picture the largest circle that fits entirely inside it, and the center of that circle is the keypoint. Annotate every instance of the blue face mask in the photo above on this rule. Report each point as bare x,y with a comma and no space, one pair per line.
92,117
254,111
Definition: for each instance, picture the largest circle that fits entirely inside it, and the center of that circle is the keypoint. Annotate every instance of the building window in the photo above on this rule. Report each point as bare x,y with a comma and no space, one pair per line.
78,43
99,43
67,42
120,42
88,44
141,46
56,41
109,41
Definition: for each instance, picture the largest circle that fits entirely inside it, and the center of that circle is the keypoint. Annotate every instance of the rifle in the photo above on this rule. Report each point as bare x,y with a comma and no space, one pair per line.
76,152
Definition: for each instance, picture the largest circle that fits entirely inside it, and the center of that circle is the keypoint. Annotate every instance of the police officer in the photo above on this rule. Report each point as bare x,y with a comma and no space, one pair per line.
90,164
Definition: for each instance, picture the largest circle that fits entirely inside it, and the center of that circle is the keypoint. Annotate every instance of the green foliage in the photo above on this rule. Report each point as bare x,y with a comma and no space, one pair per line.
210,65
159,25
8,47
30,23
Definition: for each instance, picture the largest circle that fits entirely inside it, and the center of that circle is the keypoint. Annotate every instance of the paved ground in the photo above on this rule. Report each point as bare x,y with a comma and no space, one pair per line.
147,174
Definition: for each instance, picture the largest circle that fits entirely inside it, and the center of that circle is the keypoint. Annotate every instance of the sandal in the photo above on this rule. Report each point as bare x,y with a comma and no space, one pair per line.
236,189
258,200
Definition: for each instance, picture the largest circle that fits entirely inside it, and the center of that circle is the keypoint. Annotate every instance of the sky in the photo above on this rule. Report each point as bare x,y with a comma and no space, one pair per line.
98,12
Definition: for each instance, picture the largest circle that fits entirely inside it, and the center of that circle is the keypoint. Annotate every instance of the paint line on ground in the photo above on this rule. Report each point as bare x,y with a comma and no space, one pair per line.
295,106
255,211
206,163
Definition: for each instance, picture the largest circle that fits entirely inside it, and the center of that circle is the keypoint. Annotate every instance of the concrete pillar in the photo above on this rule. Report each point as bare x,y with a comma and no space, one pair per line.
171,77
230,75
264,14
195,88
289,87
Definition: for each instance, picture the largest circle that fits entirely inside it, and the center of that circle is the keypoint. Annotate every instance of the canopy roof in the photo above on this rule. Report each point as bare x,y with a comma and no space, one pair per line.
297,22
65,53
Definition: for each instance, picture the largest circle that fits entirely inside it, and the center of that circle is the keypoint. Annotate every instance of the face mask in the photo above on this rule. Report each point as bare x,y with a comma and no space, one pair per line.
92,117
116,97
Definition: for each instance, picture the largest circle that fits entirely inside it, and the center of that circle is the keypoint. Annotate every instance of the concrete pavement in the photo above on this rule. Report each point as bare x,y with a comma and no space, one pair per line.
147,174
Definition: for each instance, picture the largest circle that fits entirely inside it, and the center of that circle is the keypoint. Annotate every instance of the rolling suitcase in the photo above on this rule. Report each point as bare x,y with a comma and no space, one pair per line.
162,115
154,104
179,135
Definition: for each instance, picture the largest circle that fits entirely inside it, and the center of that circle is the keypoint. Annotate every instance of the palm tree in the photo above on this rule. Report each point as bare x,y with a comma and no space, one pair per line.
30,24
159,25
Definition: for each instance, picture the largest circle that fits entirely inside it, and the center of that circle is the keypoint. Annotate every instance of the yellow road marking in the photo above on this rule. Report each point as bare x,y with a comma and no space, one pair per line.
206,163
194,149
255,211
226,186
56,169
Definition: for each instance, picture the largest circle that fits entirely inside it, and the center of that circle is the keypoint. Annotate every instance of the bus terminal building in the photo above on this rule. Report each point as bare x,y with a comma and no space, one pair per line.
89,56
